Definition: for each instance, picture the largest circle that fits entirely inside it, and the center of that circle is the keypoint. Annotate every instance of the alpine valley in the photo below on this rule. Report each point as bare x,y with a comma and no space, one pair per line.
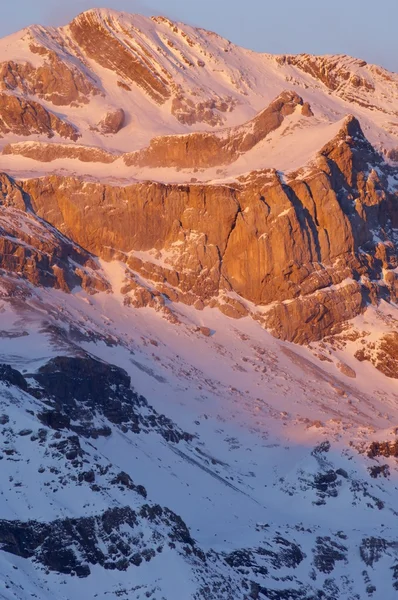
198,318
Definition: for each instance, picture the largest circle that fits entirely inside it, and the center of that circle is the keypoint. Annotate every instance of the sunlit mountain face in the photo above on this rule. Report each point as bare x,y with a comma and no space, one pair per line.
198,318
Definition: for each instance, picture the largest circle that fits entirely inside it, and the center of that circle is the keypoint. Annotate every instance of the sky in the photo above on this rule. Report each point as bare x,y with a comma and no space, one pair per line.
363,28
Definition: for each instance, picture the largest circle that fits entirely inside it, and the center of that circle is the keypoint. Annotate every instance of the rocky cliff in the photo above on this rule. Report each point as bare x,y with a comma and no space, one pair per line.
32,249
24,118
301,249
315,249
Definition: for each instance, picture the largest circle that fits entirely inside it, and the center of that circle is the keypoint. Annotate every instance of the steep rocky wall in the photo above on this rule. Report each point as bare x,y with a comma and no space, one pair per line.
314,249
48,152
36,252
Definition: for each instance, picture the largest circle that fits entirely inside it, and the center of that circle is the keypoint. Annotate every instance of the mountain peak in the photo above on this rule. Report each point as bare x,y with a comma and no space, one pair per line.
101,14
170,232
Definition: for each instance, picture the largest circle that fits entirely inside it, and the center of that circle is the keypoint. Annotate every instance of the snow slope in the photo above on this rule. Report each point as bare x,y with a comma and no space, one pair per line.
172,453
274,428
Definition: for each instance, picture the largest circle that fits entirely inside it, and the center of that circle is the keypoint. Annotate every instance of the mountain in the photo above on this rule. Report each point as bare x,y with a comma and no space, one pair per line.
198,318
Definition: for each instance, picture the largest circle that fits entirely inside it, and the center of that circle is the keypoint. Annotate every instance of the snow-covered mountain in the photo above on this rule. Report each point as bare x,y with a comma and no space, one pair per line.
170,78
198,318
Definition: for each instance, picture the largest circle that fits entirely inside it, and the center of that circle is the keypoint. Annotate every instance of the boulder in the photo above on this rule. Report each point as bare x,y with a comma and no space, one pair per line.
112,122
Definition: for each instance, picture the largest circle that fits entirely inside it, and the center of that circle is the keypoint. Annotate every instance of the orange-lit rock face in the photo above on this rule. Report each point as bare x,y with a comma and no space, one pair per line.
54,81
215,149
350,78
23,117
383,354
299,244
33,250
112,122
311,248
49,152
333,71
96,38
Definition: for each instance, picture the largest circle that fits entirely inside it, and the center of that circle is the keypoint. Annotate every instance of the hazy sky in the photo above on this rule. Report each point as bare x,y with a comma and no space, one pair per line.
363,28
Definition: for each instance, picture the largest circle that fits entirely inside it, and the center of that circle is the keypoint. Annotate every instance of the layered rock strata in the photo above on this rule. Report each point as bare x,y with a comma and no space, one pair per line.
312,250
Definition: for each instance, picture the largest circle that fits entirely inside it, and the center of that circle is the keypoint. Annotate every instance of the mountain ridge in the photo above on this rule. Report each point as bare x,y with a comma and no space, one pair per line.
218,79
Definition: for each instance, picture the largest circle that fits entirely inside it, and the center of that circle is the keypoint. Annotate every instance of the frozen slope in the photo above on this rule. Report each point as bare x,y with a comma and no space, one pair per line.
166,452
276,486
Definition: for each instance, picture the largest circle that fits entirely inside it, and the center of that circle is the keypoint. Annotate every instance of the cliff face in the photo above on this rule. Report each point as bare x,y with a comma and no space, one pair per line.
191,151
54,81
97,37
314,249
30,248
302,247
43,152
195,197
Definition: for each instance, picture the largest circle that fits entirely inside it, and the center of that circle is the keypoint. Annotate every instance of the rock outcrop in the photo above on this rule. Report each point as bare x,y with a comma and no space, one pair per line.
112,122
350,78
211,111
202,150
33,250
292,232
55,81
25,117
49,152
82,388
109,539
97,37
383,354
302,252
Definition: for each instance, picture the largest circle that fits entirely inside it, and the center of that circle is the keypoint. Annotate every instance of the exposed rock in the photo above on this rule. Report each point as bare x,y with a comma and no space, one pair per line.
346,370
11,195
213,149
207,111
379,470
307,319
385,449
232,308
372,549
350,78
392,154
81,388
112,122
25,117
33,250
284,554
310,252
205,331
97,37
327,553
11,376
331,70
49,152
123,479
306,110
383,355
55,81
54,419
110,539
